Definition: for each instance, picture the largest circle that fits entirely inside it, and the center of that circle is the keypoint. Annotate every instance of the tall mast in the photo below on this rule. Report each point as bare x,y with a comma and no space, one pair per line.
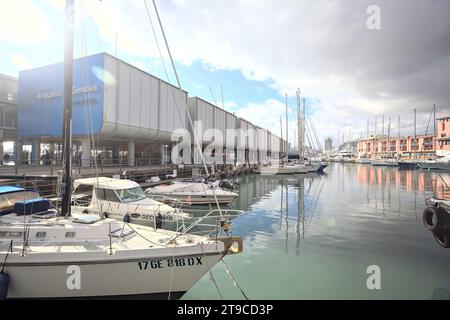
434,125
367,132
287,129
304,127
299,125
398,126
415,153
376,126
389,137
281,128
66,187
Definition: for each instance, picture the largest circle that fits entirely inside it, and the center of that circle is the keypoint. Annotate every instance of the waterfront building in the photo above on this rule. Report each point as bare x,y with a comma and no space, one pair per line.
443,136
404,147
124,116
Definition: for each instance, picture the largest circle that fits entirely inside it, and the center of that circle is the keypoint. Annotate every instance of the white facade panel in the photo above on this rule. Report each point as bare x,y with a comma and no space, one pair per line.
172,112
135,102
220,124
146,107
139,106
110,91
124,94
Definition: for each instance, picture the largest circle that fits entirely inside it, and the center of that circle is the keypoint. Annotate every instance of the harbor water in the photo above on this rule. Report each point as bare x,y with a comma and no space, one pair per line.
319,236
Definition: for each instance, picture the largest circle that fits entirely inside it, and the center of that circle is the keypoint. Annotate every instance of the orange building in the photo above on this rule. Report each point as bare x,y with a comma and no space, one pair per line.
443,136
404,147
423,146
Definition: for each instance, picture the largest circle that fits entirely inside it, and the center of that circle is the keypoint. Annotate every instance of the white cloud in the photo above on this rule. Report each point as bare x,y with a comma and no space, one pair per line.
230,105
321,46
23,22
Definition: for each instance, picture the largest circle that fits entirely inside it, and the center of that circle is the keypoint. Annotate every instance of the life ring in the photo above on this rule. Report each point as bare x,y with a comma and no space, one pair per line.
434,218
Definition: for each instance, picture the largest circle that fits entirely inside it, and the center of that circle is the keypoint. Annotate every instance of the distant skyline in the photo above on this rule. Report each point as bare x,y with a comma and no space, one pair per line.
260,50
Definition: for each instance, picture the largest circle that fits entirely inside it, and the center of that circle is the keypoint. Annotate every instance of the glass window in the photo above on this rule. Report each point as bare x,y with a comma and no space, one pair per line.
107,195
130,195
100,193
110,195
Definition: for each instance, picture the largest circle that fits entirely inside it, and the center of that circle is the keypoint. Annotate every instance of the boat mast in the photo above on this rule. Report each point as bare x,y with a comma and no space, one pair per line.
415,153
299,127
66,186
303,128
287,129
434,125
281,128
389,138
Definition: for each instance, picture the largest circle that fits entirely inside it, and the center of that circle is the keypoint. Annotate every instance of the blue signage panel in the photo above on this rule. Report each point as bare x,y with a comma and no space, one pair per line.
41,94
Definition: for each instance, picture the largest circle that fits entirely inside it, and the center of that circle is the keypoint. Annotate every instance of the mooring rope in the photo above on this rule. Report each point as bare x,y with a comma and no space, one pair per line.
234,280
7,254
211,276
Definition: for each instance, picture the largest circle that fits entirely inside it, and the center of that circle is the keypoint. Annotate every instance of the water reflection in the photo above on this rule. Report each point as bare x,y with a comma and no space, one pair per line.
313,236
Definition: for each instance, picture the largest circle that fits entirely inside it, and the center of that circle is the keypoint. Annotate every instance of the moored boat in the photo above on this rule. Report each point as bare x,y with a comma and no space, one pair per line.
193,193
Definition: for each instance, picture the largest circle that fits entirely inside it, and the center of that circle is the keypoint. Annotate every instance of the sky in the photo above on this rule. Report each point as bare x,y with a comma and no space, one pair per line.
352,63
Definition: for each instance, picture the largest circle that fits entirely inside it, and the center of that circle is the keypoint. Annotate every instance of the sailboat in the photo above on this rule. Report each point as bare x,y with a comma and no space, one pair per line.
49,253
302,165
282,168
386,161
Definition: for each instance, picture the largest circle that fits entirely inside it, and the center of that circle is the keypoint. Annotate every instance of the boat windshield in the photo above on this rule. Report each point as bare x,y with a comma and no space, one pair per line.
8,200
130,195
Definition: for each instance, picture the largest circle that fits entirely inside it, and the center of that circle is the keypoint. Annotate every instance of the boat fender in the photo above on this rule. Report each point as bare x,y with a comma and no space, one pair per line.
442,237
127,218
434,218
4,284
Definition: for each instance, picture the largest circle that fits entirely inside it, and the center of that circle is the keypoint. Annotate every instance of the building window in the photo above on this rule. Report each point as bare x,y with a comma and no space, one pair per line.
41,234
70,234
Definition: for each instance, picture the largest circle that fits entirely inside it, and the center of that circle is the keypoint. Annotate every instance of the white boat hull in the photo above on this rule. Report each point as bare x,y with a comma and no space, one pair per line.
278,170
434,165
201,199
382,163
108,278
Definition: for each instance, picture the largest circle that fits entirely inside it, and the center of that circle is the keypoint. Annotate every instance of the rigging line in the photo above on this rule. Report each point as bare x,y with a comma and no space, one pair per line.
314,131
179,86
211,276
234,280
88,115
426,131
10,249
162,60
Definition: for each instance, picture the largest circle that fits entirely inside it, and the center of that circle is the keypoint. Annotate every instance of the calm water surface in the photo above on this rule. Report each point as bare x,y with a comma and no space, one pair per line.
313,237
